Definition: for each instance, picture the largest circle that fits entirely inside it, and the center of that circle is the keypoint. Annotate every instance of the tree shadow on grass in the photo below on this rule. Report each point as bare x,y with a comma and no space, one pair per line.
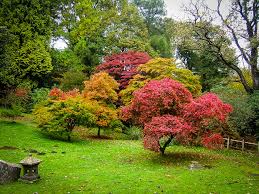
102,137
8,148
56,137
183,158
10,123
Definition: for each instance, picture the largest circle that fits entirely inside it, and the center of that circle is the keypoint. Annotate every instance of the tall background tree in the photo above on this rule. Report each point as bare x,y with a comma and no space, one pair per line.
154,12
93,29
29,24
198,56
241,24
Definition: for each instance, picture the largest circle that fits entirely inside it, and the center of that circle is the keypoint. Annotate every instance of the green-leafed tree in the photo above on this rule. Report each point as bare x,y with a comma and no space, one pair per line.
5,38
127,31
29,25
240,23
198,56
153,13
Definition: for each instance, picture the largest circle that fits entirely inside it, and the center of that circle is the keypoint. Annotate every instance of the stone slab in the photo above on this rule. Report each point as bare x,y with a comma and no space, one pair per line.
9,172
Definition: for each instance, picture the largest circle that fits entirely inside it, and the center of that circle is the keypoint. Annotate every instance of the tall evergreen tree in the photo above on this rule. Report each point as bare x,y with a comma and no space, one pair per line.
29,24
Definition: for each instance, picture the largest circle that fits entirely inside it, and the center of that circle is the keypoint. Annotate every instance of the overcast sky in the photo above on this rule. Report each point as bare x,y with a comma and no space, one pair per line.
175,9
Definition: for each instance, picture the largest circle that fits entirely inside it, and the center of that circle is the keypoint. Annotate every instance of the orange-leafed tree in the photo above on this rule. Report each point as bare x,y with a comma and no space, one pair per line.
101,90
101,87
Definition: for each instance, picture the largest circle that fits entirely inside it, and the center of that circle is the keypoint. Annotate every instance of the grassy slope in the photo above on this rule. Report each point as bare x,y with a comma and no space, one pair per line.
116,166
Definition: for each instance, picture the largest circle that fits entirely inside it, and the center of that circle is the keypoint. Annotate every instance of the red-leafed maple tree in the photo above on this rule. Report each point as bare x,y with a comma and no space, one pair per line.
213,140
207,115
156,98
167,111
123,66
160,131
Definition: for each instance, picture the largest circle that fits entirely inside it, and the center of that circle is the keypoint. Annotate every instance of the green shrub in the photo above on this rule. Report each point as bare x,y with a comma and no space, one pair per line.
72,79
10,113
58,118
39,95
245,117
134,133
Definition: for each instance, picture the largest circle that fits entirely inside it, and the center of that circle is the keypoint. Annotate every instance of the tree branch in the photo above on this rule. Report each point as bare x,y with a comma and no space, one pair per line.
233,34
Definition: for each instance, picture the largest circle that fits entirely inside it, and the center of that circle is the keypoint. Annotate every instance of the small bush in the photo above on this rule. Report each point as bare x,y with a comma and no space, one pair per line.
10,113
244,119
134,133
72,79
39,95
59,118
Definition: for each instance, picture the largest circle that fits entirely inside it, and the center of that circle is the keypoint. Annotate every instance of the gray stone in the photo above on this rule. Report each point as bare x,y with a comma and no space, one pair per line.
9,172
195,165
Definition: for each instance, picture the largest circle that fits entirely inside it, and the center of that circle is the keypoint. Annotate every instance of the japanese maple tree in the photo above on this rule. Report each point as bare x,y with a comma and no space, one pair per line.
123,66
101,87
200,122
155,99
101,90
208,116
167,111
62,112
58,94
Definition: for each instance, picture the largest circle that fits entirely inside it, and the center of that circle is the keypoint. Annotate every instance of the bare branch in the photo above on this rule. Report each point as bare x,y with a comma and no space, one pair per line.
233,33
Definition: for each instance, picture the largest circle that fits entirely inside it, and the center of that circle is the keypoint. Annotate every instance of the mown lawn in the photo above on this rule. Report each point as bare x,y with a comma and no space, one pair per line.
123,166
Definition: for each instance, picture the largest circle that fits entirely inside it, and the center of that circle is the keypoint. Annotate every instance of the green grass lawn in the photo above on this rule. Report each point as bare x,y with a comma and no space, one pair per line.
123,166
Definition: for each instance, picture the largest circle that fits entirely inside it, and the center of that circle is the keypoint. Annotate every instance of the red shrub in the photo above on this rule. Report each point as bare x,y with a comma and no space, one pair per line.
21,92
213,141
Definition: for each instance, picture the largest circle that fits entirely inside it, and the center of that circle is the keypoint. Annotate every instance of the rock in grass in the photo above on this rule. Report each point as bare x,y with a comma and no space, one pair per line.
195,166
9,172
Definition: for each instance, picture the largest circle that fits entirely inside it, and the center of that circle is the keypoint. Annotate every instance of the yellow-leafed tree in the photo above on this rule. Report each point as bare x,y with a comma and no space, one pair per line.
101,87
157,69
101,90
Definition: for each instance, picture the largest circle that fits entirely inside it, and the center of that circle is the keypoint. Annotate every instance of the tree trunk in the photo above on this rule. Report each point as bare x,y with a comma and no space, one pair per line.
68,137
162,149
99,132
255,76
254,68
248,89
